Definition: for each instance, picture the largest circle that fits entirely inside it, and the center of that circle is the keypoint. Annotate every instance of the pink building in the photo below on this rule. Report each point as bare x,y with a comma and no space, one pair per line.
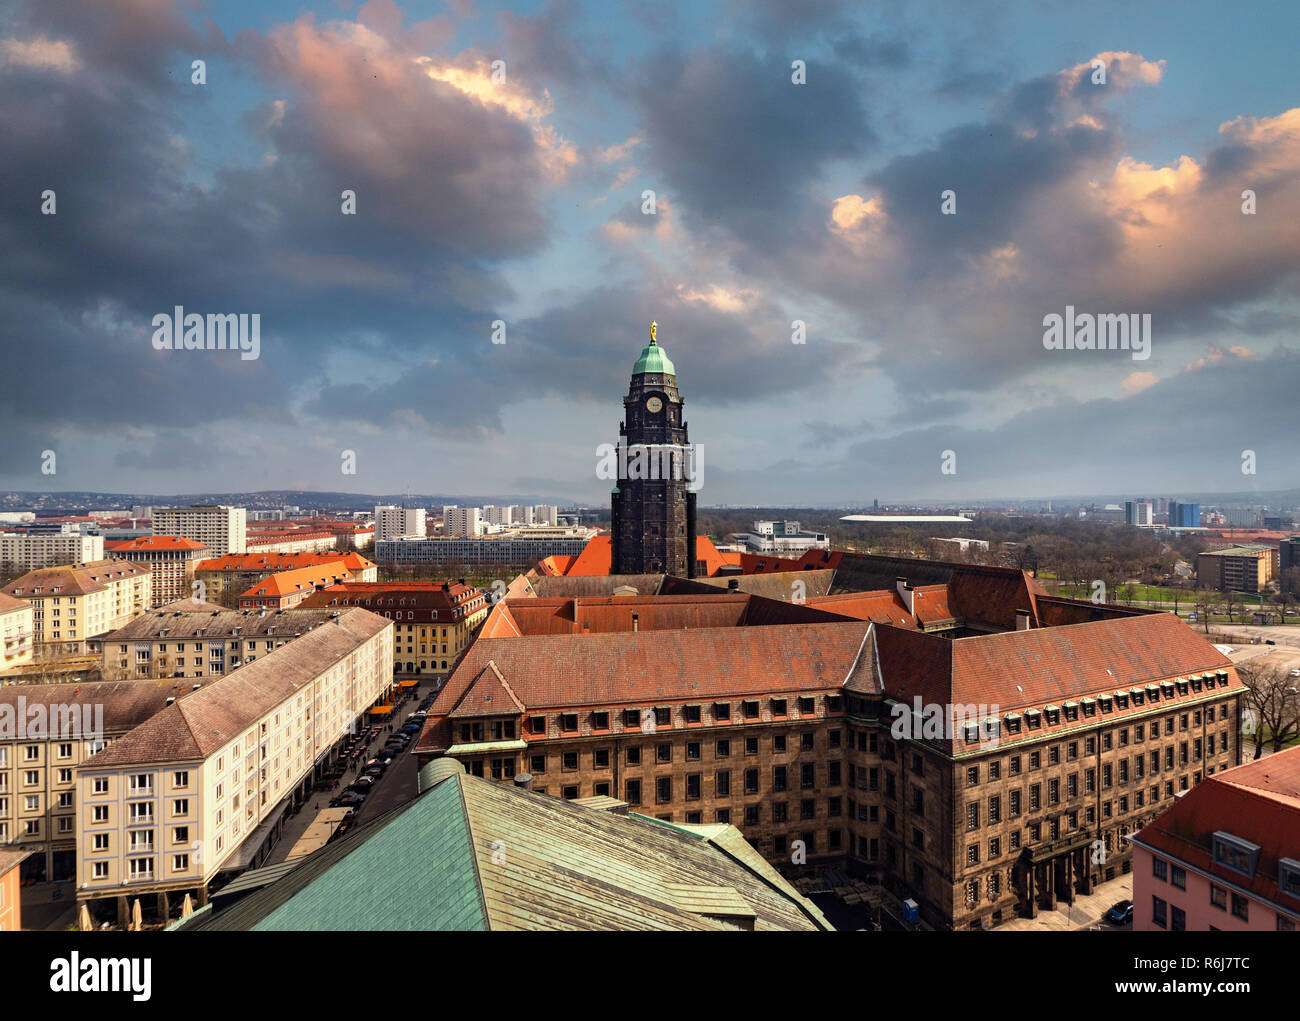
1226,856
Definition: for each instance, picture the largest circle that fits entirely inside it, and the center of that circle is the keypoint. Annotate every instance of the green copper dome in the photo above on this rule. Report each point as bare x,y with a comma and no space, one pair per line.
653,359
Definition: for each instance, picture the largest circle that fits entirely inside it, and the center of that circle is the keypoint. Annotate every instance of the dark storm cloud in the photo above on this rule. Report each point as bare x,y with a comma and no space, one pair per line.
135,234
739,145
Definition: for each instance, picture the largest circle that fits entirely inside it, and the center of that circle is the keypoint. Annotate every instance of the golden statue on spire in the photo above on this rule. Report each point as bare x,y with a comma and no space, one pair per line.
653,326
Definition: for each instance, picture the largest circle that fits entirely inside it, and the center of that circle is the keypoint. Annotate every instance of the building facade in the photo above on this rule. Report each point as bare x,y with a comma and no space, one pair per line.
176,801
30,552
46,731
802,727
394,522
652,508
170,559
76,603
1226,856
17,633
433,623
223,578
220,528
198,643
1236,569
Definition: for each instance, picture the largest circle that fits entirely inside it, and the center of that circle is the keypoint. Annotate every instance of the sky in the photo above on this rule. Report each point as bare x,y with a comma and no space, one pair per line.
800,157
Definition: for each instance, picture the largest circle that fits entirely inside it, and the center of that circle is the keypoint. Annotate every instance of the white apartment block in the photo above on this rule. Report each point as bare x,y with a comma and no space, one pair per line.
197,789
31,552
461,523
220,528
545,514
395,522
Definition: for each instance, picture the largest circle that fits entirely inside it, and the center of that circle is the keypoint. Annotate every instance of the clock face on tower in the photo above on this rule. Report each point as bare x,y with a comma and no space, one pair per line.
654,405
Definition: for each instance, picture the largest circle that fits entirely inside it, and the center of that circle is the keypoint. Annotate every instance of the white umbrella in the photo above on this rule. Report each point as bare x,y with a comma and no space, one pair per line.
83,918
187,907
137,916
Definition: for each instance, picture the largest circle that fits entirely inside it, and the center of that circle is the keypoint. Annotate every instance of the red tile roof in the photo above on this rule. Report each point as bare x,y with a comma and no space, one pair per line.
153,542
488,695
268,562
629,668
597,558
1259,802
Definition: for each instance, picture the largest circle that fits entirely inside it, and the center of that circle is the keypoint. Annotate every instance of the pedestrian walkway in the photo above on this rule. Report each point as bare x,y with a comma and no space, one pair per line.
1085,913
297,825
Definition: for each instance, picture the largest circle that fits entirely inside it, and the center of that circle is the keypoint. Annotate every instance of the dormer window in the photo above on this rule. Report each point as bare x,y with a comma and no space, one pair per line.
1288,876
1235,853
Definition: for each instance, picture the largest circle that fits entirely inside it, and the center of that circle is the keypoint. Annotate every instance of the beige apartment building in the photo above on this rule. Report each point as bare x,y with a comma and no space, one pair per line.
16,633
220,528
170,558
200,787
77,602
32,552
1237,568
46,731
184,643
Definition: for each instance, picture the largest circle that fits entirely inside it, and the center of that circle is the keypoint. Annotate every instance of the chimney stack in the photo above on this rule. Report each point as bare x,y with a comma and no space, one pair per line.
524,781
733,584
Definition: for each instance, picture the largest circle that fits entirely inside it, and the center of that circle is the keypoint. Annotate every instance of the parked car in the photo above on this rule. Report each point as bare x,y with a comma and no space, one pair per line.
348,799
375,771
1121,913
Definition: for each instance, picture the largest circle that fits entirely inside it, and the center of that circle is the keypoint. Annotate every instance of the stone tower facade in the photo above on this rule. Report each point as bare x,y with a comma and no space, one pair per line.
653,510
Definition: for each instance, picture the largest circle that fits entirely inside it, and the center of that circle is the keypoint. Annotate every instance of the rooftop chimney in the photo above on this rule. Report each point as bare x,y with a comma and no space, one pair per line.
636,622
524,781
733,584
1022,620
905,592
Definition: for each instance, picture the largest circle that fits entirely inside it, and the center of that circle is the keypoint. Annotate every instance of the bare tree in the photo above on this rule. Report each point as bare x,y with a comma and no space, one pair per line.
1273,698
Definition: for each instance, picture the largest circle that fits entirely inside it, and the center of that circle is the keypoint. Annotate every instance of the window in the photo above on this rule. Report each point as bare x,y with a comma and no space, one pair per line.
570,761
1160,869
692,786
664,752
691,714
1158,912
664,789
569,722
693,750
722,749
633,792
100,785
1218,897
972,776
634,755
1178,877
1240,907
722,783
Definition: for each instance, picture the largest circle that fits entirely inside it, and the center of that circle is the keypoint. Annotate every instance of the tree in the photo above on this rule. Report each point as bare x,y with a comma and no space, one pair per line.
1274,703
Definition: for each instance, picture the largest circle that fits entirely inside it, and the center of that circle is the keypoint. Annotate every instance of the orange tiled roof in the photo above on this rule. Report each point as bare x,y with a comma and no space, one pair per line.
597,558
287,583
1259,802
153,542
631,668
268,562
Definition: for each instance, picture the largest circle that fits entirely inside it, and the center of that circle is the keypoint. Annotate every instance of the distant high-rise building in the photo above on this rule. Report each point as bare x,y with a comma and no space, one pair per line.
220,528
1184,515
392,522
461,522
1138,512
545,514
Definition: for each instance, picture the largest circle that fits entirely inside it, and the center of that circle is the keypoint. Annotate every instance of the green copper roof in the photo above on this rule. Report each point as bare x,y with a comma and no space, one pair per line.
653,359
